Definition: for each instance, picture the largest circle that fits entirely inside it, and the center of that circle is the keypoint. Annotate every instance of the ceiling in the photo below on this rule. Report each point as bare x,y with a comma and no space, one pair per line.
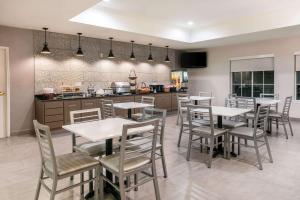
163,23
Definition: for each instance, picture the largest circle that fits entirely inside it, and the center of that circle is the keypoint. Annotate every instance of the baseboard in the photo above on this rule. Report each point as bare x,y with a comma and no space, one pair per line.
22,132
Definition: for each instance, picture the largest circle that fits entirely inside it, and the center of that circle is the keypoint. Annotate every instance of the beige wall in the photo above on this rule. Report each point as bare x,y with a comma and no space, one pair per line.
20,45
216,77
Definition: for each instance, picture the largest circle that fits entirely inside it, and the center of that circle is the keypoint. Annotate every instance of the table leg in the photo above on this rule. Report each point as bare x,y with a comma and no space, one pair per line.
220,125
129,114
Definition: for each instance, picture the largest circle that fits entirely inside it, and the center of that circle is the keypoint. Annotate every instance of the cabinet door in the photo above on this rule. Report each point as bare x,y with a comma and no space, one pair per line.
163,101
70,106
174,102
89,103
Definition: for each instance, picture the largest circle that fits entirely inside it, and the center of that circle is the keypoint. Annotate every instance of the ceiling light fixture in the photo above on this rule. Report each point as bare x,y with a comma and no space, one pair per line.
150,58
79,50
45,49
190,23
132,57
106,0
111,55
167,56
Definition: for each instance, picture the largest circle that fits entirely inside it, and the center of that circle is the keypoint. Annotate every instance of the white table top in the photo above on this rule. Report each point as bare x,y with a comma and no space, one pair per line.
266,101
131,105
226,111
200,98
103,129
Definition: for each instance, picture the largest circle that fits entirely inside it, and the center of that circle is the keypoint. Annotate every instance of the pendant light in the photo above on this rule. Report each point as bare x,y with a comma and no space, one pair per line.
167,56
45,49
111,55
150,58
132,57
79,50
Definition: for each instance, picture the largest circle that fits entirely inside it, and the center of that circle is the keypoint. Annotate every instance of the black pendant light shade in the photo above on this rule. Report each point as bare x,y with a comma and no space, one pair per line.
132,57
79,50
111,54
150,58
167,56
45,49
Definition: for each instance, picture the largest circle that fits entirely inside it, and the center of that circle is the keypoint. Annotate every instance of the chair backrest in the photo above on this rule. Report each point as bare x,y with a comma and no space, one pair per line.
182,107
269,96
232,95
46,147
148,100
205,94
78,116
107,109
155,113
250,104
231,102
143,146
287,107
182,95
261,119
193,112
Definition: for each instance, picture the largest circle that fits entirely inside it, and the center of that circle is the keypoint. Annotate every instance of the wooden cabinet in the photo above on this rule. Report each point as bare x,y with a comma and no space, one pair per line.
163,101
90,103
70,105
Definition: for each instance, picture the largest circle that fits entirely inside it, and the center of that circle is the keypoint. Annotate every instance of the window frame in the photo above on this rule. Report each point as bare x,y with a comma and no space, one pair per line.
295,77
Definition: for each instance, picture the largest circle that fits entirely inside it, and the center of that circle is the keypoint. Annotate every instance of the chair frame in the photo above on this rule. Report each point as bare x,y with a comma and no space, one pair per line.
180,96
47,150
260,124
121,174
107,108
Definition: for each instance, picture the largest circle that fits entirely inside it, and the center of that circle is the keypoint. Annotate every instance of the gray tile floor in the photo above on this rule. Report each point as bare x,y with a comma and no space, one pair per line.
237,178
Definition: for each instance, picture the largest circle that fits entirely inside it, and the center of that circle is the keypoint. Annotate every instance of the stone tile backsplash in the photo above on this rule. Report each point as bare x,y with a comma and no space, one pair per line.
63,67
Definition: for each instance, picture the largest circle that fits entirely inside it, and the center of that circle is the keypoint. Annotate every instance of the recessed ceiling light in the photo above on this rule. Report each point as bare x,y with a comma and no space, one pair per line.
190,23
106,0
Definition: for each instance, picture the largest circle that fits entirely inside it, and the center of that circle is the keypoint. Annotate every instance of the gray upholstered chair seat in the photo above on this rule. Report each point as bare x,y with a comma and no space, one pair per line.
233,124
70,163
143,143
206,130
246,132
140,130
91,148
112,163
275,115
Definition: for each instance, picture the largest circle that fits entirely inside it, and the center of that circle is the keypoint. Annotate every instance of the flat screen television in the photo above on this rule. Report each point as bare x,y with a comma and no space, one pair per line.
193,60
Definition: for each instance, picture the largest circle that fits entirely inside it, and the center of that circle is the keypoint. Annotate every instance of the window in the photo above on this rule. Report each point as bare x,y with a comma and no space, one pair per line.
252,76
252,84
298,85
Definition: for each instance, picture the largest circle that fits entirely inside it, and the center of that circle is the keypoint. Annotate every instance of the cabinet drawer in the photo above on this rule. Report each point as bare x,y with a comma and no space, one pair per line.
54,111
54,118
55,125
55,104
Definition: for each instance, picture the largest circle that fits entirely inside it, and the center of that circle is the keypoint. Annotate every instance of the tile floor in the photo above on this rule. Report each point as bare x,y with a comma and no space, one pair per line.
237,178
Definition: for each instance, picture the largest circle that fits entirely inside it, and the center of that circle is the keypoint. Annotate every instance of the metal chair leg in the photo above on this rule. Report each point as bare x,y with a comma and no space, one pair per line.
284,127
257,155
155,182
180,134
211,146
97,182
189,148
291,127
163,160
136,180
82,186
122,188
38,189
101,188
268,148
239,146
53,190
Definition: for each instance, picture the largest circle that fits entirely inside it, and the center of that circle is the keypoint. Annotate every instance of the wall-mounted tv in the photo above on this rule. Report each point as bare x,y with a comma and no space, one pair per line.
193,59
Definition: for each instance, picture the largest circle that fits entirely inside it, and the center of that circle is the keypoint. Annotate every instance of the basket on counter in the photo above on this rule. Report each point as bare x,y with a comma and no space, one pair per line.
132,80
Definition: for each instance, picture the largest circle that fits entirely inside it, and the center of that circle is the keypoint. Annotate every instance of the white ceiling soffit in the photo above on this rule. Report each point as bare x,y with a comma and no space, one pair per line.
163,23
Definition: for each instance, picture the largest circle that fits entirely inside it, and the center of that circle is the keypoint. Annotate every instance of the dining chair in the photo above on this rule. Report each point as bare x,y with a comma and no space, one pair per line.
63,166
205,94
274,107
257,134
283,118
248,103
204,102
210,133
237,121
184,126
180,96
107,108
146,100
93,149
133,159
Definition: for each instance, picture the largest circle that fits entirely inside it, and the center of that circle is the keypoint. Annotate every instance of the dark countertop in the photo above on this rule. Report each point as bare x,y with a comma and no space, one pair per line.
42,98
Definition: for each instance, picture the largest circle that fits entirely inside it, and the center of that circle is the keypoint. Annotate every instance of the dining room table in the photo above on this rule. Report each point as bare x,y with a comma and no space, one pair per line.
129,106
104,130
220,112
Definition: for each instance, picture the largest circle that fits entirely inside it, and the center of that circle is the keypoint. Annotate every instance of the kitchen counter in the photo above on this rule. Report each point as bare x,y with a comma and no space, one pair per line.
56,112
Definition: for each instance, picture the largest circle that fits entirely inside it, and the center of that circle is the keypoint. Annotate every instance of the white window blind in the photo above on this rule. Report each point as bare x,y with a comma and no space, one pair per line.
253,64
297,62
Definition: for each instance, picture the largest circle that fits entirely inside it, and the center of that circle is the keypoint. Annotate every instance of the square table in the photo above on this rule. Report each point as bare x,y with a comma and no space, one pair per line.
107,130
222,111
200,98
267,101
131,105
